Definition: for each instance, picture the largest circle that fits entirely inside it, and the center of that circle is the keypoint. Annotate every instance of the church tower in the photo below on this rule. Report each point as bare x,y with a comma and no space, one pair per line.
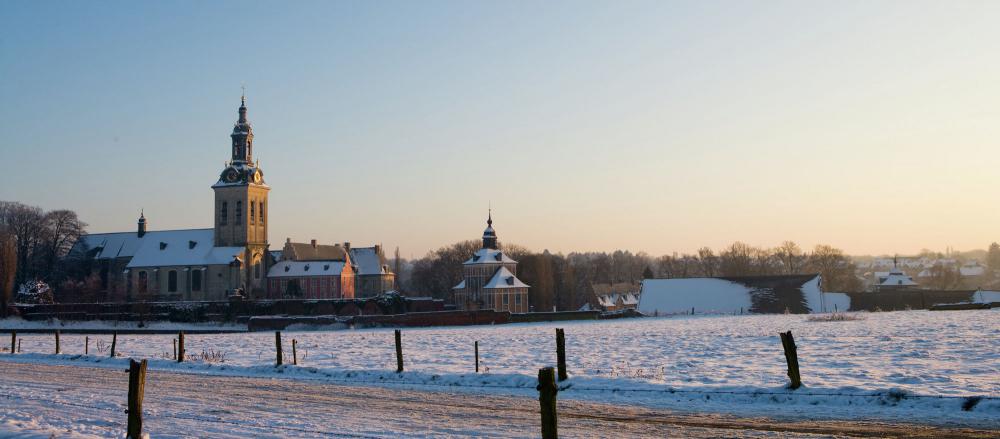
241,206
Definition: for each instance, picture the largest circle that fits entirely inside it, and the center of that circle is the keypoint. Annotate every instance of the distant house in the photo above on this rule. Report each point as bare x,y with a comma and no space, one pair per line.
311,280
618,302
727,295
370,273
895,279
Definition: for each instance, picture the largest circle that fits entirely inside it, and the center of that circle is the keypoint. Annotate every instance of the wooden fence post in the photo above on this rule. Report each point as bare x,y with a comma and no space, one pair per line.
114,342
13,341
561,353
277,347
547,390
58,351
791,356
295,355
86,345
399,351
180,346
136,386
19,346
477,356
175,347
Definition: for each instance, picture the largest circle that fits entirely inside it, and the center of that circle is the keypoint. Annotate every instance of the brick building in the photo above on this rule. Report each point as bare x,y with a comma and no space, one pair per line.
490,279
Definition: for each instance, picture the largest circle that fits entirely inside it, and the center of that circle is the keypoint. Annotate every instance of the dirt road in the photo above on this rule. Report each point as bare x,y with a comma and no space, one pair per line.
84,401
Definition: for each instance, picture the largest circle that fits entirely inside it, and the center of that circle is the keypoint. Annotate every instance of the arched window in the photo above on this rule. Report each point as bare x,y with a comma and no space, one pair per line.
172,281
253,212
224,213
262,212
196,280
256,270
239,212
143,282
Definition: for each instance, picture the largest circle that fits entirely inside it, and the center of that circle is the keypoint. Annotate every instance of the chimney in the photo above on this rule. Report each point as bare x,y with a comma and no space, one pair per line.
347,246
378,249
313,242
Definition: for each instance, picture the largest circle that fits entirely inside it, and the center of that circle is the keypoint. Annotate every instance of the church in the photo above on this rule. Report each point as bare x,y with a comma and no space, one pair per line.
490,279
230,259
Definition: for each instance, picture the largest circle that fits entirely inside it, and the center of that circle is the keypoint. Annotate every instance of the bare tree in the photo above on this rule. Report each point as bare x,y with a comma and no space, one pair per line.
708,262
791,257
26,224
8,269
737,260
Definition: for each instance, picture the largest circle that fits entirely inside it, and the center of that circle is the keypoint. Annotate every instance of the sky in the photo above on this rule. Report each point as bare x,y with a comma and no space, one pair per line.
656,126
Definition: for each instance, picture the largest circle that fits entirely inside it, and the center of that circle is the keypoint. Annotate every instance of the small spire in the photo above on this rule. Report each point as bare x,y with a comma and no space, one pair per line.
243,97
142,214
489,218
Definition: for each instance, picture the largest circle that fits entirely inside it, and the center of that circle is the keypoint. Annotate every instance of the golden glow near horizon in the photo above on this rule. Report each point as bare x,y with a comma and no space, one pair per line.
872,127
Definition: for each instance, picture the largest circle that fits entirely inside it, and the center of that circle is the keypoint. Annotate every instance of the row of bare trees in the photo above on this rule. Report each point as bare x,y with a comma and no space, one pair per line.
32,244
567,281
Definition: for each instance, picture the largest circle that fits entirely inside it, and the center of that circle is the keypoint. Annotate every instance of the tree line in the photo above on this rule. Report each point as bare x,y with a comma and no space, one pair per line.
33,244
566,282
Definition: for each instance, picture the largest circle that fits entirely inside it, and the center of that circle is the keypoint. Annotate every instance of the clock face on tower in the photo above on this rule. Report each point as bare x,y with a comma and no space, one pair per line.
256,177
231,175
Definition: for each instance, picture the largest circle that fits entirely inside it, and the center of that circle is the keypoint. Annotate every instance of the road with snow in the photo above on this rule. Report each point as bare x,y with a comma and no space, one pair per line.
39,400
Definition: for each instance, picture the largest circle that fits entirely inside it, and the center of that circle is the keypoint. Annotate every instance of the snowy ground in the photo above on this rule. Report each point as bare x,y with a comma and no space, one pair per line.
898,366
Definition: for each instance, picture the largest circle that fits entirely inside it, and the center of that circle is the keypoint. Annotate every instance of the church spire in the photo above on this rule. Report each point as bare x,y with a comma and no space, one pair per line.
489,235
242,135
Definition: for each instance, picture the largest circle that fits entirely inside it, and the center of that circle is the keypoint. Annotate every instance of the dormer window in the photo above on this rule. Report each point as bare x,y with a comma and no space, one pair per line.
326,267
499,256
287,268
191,244
510,281
163,245
306,268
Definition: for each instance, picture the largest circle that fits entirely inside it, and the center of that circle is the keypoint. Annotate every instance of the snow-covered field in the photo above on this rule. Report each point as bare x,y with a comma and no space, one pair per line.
898,366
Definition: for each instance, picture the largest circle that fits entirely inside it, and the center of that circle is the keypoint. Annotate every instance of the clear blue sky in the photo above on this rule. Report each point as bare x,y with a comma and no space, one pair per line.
653,126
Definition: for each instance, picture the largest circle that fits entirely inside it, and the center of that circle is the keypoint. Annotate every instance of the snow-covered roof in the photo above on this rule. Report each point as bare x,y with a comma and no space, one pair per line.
897,278
972,270
489,256
460,286
181,247
368,261
306,268
504,279
109,245
630,298
607,300
762,294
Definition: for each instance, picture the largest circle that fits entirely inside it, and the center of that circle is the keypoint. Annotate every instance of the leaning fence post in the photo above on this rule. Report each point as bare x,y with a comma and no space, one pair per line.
399,351
58,351
114,342
477,356
295,356
277,347
13,341
791,356
561,353
136,386
86,345
547,390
